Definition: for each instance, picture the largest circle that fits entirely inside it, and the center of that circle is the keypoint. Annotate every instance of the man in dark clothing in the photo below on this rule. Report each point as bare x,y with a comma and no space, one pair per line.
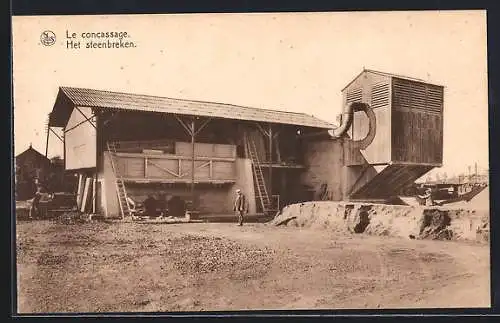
35,205
240,206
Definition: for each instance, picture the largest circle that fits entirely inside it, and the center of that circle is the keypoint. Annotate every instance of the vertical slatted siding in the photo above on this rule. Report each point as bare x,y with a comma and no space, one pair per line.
417,122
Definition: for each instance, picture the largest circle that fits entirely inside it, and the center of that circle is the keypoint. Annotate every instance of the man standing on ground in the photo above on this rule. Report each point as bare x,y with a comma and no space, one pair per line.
35,205
240,206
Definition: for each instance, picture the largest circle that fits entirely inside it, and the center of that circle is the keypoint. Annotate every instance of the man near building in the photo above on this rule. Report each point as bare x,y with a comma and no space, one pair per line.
240,206
427,197
35,205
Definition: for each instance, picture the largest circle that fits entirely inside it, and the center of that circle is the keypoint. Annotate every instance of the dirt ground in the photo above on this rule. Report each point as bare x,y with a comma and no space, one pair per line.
109,267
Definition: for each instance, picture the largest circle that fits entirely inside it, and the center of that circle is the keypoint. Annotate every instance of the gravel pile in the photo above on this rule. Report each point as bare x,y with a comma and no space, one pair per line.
196,255
50,259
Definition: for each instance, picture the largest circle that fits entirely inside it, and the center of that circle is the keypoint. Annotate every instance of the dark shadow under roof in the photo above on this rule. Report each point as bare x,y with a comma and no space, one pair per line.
68,97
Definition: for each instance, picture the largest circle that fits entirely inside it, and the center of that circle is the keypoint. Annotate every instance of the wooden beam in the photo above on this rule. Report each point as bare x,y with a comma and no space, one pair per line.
94,195
184,125
245,143
87,118
79,191
169,156
52,130
104,201
262,130
278,155
165,169
177,180
197,167
179,175
85,194
64,149
47,142
270,160
200,128
193,133
82,122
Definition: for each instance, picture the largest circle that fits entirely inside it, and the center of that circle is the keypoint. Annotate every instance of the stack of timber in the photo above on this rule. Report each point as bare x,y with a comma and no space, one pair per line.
86,194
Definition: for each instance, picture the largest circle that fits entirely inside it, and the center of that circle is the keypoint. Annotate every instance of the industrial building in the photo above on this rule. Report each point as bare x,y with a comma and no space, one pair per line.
30,166
128,145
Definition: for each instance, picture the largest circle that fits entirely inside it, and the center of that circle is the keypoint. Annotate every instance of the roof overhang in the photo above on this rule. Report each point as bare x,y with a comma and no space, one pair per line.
68,98
61,111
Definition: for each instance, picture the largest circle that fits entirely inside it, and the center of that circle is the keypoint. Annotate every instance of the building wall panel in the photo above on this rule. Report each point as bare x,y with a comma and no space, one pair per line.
205,150
160,167
157,168
375,90
224,170
80,142
417,122
108,198
324,166
130,167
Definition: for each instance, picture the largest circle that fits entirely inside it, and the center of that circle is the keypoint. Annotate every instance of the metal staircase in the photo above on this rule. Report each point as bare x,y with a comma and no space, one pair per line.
260,184
119,184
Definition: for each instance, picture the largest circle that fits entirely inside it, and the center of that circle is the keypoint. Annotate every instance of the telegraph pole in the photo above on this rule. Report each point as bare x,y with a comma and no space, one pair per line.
475,172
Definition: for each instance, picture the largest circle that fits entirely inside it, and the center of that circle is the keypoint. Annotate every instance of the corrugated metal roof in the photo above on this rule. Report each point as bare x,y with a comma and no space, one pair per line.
137,102
390,75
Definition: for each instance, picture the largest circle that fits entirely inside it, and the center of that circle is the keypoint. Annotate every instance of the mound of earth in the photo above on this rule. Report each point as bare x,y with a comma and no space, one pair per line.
414,222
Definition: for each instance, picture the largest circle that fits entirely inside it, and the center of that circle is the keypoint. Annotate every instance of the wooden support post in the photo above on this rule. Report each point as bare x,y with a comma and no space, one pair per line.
278,155
94,195
85,194
79,191
55,134
192,162
64,148
145,167
245,141
104,201
270,133
47,142
210,171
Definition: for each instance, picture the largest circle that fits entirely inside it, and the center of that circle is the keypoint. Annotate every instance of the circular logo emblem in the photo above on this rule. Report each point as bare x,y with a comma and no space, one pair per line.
48,38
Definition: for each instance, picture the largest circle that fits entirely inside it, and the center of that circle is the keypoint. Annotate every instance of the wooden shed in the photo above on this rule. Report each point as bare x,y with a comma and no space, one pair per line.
128,145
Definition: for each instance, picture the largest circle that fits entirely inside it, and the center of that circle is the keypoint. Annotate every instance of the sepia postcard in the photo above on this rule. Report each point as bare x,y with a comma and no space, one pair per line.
172,163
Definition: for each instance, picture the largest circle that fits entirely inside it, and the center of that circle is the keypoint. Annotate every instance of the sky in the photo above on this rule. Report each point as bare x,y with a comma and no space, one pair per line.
293,62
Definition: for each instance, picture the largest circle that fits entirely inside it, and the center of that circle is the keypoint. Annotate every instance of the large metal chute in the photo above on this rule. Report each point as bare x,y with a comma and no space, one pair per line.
347,120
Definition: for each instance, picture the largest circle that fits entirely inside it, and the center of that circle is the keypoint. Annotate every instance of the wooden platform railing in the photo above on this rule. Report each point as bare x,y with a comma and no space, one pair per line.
175,168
